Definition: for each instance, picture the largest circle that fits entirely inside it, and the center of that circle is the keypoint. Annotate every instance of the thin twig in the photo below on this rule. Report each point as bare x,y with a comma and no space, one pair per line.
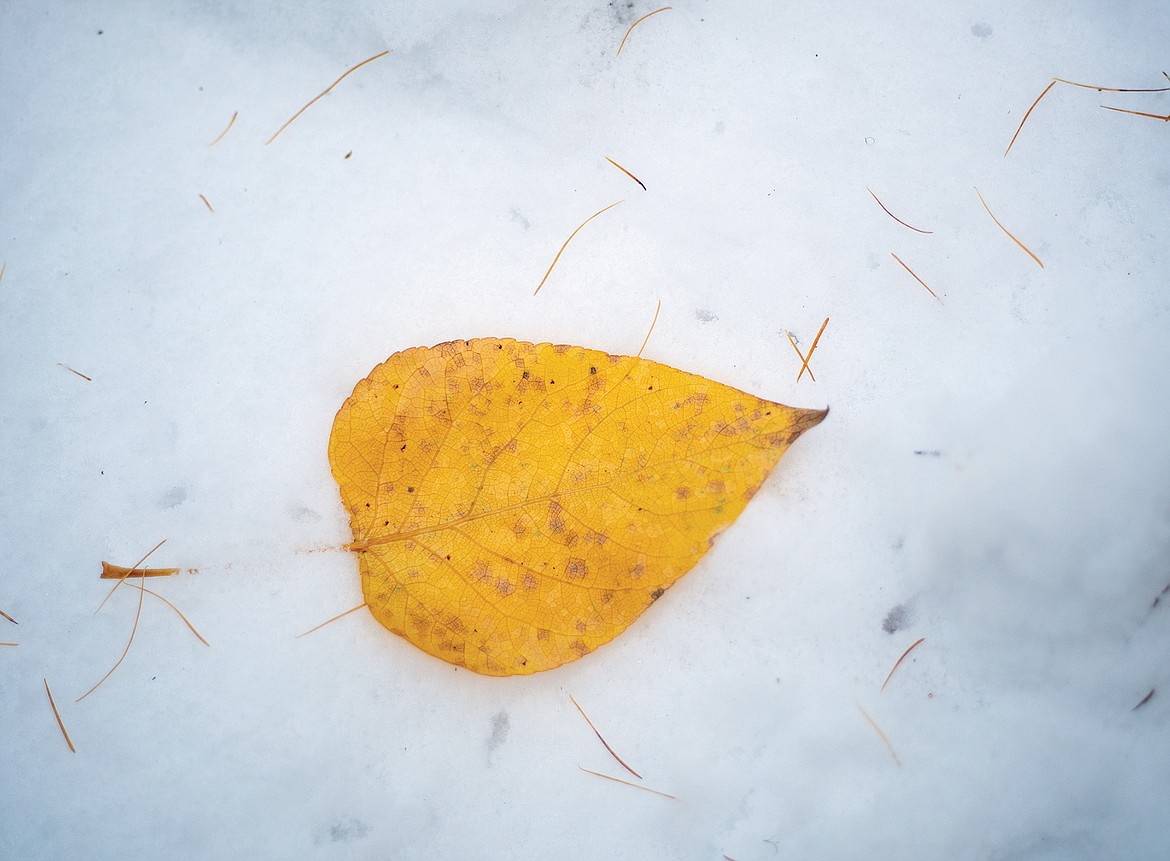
117,572
646,340
9,618
626,172
878,730
898,662
334,619
627,782
635,24
916,278
323,92
1008,232
900,221
57,715
231,122
567,241
612,752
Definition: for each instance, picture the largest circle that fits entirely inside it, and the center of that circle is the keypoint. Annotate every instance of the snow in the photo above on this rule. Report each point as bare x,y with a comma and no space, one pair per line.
993,476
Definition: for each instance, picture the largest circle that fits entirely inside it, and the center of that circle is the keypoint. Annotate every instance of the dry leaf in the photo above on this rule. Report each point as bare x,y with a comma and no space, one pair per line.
514,506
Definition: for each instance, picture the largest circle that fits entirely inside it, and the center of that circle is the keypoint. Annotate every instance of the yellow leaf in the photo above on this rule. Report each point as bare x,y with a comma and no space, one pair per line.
514,506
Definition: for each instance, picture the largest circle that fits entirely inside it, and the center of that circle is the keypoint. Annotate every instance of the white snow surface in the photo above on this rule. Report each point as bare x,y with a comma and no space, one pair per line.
994,475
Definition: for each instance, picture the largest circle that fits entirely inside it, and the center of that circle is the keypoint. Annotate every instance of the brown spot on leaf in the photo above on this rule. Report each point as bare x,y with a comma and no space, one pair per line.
504,587
576,569
682,493
657,593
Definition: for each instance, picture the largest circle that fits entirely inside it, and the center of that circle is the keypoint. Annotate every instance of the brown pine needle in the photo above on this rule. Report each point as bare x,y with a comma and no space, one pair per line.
125,651
186,621
881,734
1111,89
626,172
816,341
3,266
117,572
205,202
635,24
612,752
1144,700
1008,232
57,715
9,618
900,221
334,619
803,360
9,644
83,376
570,239
1026,115
916,278
646,340
898,662
323,92
231,122
627,782
1165,119
127,574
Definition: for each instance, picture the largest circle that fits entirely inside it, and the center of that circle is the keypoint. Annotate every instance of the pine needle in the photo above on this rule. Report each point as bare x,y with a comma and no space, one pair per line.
9,618
612,752
57,715
898,662
626,172
9,644
1165,119
881,734
1111,89
125,651
129,571
83,376
570,239
334,619
804,361
635,24
646,340
206,203
1026,115
816,341
186,621
231,122
916,278
1008,232
900,221
627,783
323,92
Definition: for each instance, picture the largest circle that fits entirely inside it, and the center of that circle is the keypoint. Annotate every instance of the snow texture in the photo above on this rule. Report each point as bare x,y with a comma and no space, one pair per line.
993,476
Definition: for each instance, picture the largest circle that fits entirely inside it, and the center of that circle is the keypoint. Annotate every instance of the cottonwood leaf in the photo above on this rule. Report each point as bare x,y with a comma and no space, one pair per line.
514,505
